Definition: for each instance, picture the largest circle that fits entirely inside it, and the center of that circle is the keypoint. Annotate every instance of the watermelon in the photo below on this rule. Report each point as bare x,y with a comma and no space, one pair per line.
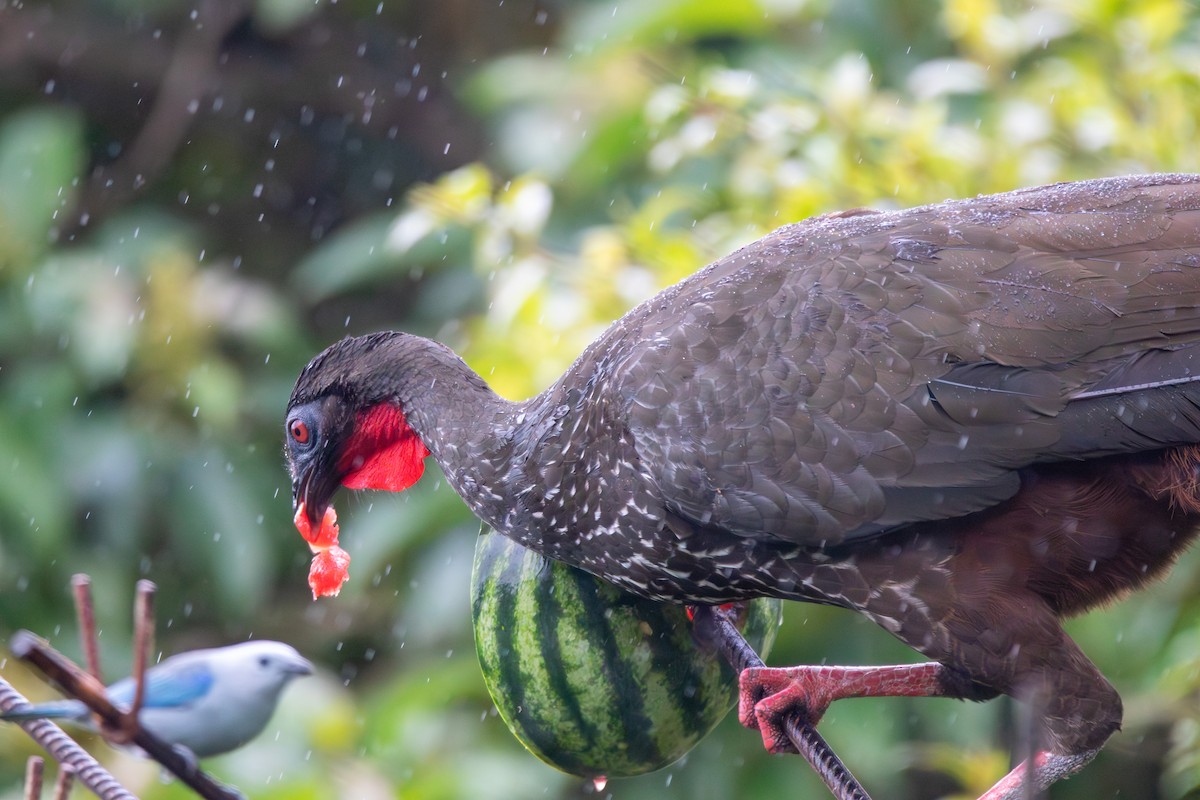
593,680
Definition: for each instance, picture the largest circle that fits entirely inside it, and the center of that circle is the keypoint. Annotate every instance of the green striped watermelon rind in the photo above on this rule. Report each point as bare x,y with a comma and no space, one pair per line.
591,679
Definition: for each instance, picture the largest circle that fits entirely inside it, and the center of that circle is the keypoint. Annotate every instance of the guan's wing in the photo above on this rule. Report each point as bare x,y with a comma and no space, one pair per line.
867,370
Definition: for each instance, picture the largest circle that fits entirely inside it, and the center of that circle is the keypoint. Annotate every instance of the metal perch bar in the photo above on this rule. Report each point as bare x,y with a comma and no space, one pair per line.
77,683
63,749
66,779
143,644
714,625
85,612
34,768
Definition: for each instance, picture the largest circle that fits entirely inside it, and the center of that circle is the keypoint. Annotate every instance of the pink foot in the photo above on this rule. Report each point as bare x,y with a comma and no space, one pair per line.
1048,768
769,695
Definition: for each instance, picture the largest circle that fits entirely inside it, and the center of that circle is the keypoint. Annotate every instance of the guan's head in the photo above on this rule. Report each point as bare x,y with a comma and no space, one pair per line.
346,426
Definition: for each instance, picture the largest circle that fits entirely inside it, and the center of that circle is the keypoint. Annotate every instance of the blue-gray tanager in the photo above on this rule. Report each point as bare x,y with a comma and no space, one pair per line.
207,701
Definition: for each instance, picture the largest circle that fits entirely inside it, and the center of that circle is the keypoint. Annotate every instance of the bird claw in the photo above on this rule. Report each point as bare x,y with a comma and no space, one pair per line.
769,696
190,760
120,734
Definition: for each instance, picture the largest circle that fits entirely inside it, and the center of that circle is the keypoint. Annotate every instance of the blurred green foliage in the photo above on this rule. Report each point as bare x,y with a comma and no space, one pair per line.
195,198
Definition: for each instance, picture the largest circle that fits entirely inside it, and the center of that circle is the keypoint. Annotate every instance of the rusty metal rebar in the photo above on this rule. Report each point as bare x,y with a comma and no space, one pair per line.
63,749
79,684
715,625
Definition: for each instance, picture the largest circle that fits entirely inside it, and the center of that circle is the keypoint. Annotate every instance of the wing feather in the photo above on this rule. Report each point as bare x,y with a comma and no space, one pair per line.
170,685
849,374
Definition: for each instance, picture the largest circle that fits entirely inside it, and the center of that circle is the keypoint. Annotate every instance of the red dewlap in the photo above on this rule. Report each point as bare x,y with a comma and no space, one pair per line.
384,453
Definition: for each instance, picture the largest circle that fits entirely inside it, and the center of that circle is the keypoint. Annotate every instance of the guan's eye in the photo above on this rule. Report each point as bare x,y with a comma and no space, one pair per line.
298,430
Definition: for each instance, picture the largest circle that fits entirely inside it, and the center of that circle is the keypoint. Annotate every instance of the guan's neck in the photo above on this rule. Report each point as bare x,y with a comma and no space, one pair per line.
468,429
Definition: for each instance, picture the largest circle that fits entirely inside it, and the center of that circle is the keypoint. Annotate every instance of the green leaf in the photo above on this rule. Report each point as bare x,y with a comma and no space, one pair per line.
41,159
382,245
279,16
642,23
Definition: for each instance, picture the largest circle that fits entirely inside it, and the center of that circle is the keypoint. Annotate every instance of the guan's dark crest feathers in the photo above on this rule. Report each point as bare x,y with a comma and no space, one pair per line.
962,420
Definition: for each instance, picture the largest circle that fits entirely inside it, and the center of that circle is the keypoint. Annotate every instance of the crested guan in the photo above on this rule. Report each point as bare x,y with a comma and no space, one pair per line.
965,421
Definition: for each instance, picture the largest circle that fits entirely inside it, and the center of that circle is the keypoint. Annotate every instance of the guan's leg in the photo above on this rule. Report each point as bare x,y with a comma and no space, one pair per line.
769,694
1025,654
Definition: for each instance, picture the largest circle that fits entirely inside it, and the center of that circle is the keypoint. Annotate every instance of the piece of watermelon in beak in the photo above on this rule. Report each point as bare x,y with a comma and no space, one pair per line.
328,571
326,535
330,565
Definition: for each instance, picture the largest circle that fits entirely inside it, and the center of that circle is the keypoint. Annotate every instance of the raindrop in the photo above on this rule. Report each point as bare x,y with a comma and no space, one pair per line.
600,781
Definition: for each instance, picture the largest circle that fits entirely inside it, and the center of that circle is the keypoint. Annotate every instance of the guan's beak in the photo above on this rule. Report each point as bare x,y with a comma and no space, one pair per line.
314,488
